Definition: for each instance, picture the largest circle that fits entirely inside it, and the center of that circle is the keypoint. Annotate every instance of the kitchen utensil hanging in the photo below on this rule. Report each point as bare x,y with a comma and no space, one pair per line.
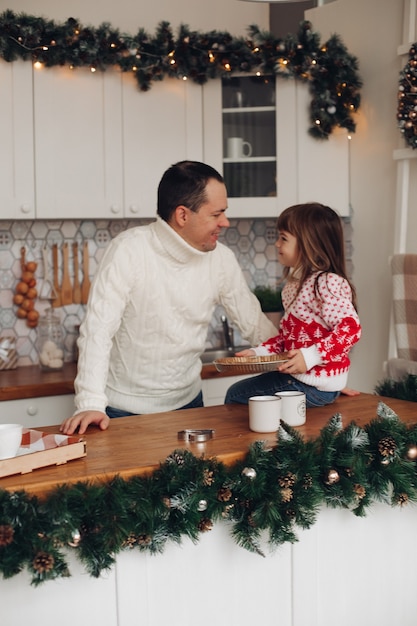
47,291
56,302
66,287
76,291
85,287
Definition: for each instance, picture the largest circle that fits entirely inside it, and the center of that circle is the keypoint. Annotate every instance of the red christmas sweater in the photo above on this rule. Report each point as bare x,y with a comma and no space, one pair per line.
323,323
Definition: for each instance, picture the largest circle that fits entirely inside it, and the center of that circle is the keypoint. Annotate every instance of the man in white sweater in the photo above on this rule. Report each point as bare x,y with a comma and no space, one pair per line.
152,300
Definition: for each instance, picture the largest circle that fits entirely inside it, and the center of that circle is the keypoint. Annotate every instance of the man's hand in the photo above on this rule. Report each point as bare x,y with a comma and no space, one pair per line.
82,420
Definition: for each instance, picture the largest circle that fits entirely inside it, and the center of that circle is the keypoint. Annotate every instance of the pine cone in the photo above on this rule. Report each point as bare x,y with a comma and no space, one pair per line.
401,499
387,446
130,541
43,562
307,481
287,481
286,494
224,494
6,534
208,477
144,540
359,490
205,524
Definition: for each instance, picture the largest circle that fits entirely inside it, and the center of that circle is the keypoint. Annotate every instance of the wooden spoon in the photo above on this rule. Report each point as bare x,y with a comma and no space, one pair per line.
76,292
57,299
85,287
66,287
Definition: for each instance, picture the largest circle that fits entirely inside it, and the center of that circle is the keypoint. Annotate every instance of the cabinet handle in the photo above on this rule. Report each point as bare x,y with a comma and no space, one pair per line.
25,208
134,208
115,208
32,409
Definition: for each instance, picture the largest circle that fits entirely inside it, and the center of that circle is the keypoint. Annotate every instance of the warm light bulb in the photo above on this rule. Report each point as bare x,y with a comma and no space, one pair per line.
37,65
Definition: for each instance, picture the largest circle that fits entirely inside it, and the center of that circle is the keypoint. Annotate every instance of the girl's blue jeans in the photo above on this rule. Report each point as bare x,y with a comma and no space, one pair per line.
271,383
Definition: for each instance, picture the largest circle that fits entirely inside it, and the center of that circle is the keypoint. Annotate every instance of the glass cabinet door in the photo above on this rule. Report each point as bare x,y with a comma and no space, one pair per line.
249,136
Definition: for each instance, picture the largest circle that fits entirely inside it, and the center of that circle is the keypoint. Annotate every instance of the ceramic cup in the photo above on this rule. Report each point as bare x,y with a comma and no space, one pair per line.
237,148
293,407
264,413
10,440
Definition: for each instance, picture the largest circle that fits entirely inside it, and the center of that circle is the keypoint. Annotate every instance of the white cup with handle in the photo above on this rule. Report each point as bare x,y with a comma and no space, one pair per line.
238,148
293,407
10,440
264,413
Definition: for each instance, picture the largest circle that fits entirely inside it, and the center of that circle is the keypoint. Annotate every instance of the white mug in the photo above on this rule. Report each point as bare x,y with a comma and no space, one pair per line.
10,440
237,148
293,407
264,413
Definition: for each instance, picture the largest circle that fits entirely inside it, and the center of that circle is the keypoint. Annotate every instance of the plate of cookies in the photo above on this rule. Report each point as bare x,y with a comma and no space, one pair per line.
250,364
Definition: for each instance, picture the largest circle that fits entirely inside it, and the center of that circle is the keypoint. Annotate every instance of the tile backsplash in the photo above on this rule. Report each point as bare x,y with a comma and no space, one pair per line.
252,241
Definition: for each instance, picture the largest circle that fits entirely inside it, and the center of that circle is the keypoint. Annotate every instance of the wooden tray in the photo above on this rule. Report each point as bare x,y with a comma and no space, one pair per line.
39,449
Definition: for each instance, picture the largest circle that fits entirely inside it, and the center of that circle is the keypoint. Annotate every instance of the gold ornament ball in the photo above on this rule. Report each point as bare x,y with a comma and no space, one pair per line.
249,472
75,539
332,477
412,453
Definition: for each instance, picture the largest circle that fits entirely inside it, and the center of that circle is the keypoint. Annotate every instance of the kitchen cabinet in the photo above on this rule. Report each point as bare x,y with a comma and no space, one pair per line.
256,134
101,145
160,127
214,389
35,412
17,182
78,143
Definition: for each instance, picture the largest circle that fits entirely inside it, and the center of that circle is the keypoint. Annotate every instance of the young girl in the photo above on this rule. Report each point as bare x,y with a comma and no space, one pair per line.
320,323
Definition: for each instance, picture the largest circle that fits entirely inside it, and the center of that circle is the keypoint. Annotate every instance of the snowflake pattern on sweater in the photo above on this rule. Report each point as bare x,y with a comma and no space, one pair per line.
323,316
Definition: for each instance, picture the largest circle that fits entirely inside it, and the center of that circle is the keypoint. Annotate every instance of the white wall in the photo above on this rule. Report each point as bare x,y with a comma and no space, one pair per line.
129,15
372,31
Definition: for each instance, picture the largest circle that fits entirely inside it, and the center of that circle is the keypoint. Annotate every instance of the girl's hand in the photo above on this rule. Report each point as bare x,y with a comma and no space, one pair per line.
247,352
295,363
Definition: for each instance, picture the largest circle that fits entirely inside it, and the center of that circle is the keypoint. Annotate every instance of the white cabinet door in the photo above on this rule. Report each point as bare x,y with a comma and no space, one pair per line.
305,169
78,143
214,389
160,127
17,184
35,412
322,165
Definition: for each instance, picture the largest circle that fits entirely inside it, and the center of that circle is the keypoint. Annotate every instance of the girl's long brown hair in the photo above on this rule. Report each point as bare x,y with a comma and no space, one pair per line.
319,233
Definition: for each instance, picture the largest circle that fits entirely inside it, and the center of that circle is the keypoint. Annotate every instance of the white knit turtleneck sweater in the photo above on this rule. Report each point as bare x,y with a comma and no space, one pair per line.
146,324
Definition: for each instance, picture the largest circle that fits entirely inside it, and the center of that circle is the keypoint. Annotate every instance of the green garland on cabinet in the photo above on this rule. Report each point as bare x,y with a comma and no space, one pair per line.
328,68
263,499
407,99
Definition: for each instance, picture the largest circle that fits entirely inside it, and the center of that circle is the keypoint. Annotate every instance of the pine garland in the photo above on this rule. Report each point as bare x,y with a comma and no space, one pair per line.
407,99
331,72
264,499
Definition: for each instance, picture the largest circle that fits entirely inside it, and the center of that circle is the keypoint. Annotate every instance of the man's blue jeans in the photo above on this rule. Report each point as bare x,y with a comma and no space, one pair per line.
271,383
197,402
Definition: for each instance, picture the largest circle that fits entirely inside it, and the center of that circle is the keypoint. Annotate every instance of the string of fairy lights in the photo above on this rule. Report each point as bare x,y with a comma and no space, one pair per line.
328,68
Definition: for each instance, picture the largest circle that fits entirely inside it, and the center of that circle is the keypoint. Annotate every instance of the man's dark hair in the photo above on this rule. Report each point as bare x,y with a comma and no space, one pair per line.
184,183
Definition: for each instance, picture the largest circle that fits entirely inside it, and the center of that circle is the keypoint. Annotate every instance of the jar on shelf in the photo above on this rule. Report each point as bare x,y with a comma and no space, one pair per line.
50,342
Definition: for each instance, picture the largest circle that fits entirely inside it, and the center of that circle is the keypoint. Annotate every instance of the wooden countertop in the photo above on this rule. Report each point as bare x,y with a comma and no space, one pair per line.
31,382
136,445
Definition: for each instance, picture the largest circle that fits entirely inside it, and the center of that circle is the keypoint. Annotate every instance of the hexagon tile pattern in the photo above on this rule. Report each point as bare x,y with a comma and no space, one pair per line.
252,241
